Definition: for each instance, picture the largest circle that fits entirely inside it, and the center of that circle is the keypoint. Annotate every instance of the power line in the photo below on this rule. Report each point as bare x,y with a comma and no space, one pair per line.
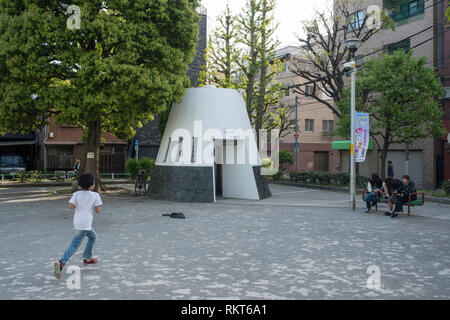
368,54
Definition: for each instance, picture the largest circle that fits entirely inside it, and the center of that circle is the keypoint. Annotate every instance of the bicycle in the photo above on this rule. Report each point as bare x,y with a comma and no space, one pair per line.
140,185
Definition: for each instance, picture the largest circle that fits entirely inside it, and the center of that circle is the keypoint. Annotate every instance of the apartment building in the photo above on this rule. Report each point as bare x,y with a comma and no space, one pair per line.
414,30
443,64
315,121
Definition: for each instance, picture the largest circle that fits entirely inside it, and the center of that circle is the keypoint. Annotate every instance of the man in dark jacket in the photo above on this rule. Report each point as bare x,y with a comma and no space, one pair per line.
390,169
402,194
391,186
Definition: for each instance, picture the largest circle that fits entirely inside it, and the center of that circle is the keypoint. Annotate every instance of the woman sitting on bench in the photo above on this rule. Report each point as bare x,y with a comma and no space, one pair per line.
374,187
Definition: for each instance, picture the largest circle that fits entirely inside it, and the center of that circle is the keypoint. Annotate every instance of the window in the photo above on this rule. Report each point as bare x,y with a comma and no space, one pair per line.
327,126
309,125
356,21
401,45
309,90
287,92
402,10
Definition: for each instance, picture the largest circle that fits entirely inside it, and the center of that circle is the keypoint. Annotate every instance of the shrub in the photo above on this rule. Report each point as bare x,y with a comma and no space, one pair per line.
134,166
146,164
343,178
277,176
293,176
35,176
361,181
21,176
285,157
325,177
446,187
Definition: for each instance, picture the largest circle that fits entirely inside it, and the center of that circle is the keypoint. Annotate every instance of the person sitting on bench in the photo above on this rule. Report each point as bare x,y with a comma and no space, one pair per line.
402,194
373,188
391,185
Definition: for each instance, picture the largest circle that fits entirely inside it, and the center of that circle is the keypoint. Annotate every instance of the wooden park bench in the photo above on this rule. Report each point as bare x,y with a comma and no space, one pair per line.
410,203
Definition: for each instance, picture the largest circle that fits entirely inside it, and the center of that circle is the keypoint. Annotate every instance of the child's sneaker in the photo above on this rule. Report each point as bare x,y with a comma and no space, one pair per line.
58,268
90,261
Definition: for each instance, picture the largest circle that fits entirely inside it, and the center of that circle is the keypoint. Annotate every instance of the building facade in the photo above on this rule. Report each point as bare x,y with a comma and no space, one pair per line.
443,64
415,29
315,121
63,144
27,147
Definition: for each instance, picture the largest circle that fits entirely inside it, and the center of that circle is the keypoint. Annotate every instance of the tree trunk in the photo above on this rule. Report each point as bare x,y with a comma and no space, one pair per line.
91,154
253,68
260,107
384,152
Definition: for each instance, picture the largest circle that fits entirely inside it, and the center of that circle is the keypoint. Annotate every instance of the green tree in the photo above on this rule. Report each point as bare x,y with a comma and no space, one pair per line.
401,95
222,54
269,92
126,63
248,26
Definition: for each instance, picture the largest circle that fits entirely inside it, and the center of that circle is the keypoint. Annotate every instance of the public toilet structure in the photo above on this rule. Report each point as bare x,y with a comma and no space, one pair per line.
208,149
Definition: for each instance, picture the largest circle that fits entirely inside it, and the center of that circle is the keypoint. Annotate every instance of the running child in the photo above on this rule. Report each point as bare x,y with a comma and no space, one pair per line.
85,202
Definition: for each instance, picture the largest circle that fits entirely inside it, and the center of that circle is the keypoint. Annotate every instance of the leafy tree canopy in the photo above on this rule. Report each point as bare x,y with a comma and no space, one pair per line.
126,62
401,95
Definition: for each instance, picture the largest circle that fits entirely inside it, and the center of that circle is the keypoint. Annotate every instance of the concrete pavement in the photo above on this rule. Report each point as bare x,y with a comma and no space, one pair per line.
299,244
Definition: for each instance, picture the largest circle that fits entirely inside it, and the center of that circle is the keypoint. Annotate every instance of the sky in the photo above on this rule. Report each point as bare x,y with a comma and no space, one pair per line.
289,14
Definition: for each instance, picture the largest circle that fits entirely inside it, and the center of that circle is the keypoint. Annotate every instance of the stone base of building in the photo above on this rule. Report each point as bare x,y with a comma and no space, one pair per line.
192,184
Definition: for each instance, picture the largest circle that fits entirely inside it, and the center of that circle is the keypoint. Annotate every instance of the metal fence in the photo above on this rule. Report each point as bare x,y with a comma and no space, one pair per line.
61,176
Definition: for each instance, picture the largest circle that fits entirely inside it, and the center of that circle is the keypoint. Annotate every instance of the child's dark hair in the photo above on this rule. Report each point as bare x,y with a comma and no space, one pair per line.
85,181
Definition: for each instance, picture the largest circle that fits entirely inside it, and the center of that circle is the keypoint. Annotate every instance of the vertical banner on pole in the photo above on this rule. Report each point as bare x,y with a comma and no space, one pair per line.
362,127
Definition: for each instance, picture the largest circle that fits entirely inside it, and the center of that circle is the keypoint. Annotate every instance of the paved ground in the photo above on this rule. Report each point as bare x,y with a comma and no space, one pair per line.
299,244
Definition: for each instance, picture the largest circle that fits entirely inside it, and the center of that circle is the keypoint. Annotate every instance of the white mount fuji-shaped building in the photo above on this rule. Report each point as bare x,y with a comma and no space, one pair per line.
208,150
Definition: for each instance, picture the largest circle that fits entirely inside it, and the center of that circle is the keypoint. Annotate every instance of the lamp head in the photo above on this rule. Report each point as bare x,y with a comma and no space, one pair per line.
352,44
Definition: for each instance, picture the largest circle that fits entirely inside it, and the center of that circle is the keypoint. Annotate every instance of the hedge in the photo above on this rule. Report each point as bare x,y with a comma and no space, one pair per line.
324,177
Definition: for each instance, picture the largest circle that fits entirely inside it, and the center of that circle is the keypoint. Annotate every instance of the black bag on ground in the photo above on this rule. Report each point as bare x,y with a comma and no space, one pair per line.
175,215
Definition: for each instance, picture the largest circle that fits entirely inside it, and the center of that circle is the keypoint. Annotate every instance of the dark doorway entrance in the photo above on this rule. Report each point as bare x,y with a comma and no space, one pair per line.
321,161
218,177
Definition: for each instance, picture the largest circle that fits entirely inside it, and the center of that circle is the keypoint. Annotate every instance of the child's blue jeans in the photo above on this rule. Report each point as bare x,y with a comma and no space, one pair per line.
76,242
371,199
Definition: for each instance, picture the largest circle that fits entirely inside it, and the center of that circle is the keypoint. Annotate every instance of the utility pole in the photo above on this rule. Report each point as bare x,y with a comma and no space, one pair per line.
296,145
352,45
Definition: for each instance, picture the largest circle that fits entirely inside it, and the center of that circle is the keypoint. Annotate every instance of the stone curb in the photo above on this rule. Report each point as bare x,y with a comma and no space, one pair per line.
346,189
55,184
314,186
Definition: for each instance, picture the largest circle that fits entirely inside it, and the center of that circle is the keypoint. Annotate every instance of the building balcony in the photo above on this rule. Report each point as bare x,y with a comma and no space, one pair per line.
402,10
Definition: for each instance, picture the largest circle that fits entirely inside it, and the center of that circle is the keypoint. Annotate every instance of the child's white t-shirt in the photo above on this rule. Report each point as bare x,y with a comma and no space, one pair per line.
84,202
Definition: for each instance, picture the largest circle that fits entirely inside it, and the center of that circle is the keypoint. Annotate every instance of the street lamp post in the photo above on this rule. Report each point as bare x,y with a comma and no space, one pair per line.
296,145
352,46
